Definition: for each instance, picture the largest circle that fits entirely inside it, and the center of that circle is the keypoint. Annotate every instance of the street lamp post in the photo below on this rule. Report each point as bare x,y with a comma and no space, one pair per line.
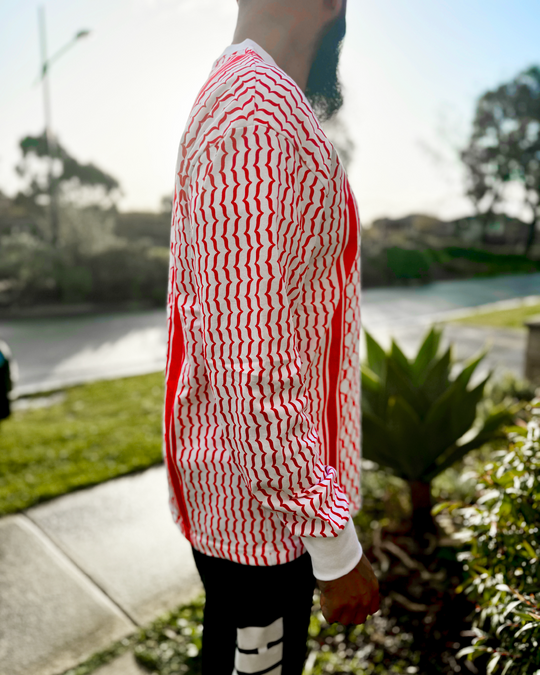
51,147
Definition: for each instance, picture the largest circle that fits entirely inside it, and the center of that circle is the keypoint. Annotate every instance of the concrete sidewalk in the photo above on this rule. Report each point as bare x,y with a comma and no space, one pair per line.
85,570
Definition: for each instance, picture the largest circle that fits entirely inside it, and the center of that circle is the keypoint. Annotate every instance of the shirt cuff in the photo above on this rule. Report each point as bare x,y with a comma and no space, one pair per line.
333,557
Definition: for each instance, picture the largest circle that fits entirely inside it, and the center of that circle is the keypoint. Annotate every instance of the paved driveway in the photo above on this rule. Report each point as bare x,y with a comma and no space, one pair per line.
57,351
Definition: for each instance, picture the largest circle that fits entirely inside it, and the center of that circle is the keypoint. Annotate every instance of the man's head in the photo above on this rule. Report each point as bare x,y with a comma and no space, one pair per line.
305,38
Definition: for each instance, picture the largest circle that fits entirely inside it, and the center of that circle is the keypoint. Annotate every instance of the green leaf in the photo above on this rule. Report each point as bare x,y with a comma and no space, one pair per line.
375,443
527,626
503,587
426,354
403,427
400,360
440,507
530,550
469,368
398,383
442,426
464,409
370,380
493,661
508,665
375,356
437,376
373,394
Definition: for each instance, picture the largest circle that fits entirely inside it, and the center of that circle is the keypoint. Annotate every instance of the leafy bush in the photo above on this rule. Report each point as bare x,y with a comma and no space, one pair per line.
30,265
38,273
409,263
129,272
502,528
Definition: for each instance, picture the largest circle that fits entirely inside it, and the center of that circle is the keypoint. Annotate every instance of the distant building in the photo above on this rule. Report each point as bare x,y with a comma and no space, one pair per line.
416,223
499,229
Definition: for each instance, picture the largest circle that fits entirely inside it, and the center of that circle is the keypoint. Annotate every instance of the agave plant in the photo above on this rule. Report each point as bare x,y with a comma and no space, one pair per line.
418,419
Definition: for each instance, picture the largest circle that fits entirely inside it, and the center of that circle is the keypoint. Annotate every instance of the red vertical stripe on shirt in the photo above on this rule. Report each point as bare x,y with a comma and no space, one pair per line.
335,352
176,359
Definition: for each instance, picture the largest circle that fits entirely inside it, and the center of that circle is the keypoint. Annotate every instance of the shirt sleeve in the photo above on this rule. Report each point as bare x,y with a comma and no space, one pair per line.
243,196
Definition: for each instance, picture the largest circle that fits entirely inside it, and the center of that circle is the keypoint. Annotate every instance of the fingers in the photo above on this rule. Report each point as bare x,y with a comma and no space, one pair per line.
375,604
349,614
352,598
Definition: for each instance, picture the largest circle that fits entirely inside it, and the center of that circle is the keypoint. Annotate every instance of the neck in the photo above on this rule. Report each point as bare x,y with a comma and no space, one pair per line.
290,38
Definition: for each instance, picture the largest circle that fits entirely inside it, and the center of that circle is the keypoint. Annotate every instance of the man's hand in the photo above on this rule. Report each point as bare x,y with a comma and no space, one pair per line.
351,598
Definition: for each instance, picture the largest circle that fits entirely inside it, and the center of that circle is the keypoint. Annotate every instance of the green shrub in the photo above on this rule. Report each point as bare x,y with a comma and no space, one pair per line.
409,263
385,264
38,273
494,263
31,264
74,283
415,415
502,528
129,272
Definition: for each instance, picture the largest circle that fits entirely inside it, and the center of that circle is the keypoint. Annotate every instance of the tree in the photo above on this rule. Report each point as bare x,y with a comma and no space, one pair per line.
81,185
504,148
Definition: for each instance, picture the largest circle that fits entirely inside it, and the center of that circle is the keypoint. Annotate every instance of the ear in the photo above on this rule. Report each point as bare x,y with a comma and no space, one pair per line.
335,7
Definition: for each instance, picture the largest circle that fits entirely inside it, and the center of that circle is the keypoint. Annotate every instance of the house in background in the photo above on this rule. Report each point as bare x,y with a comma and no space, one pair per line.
499,229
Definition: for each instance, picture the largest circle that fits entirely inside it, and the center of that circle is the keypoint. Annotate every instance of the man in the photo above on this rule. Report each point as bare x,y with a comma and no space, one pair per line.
262,417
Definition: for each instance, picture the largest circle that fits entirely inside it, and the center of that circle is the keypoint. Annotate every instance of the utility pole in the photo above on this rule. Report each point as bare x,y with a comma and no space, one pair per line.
50,140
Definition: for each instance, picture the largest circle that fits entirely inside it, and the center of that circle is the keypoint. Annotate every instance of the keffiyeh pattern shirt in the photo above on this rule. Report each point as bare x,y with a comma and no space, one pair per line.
262,406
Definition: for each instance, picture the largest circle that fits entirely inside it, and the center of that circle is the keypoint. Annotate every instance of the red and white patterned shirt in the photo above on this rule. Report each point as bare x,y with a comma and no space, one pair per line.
262,408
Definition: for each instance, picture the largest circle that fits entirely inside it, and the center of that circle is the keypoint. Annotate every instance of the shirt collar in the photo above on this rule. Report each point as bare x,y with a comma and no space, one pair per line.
248,44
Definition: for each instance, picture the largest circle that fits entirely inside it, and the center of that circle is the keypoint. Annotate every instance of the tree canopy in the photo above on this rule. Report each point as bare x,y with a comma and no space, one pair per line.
73,179
504,148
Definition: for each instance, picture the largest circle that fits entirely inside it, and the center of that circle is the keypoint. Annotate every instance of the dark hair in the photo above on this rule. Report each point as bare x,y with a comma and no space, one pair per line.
323,89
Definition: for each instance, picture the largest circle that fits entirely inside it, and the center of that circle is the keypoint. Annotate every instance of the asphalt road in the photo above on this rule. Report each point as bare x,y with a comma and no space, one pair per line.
54,352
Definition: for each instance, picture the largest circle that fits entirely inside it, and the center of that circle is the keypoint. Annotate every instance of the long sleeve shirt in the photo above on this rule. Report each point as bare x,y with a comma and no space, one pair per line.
262,405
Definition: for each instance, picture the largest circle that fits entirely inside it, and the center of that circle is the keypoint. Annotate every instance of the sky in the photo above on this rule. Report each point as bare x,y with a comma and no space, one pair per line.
412,71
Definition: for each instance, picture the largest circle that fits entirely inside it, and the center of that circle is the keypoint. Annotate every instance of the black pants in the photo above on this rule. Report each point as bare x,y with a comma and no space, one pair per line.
256,618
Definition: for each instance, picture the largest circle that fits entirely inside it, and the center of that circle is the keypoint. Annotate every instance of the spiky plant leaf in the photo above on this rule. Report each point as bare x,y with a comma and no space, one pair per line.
403,427
470,366
426,354
400,385
414,420
375,356
374,398
380,449
437,377
399,360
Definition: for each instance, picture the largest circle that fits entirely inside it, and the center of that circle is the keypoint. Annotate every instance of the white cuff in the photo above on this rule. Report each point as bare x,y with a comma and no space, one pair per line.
333,557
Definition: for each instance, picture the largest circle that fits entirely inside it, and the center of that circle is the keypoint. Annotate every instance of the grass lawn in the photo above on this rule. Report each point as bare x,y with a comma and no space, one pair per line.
99,431
504,318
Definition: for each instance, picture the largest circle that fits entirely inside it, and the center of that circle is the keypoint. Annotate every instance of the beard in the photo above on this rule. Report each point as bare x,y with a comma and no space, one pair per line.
324,89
